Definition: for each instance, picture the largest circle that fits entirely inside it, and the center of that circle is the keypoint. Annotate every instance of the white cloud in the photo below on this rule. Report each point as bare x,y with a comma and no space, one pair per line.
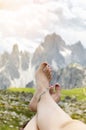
28,21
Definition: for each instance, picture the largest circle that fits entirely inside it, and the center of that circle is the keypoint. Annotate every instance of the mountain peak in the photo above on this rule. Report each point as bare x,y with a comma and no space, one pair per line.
15,49
52,36
53,40
78,45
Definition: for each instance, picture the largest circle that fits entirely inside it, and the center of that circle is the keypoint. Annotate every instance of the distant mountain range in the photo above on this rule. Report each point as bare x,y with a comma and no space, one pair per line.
54,50
68,63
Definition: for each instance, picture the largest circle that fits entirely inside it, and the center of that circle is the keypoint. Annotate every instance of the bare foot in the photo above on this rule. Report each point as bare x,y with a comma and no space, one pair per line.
43,77
55,92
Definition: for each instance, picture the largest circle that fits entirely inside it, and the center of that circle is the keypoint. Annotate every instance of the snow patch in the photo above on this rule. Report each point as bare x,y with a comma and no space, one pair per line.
1,69
25,76
65,52
54,65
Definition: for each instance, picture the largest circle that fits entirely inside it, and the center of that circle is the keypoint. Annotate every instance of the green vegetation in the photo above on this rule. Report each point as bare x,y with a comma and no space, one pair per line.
79,93
14,106
7,128
13,89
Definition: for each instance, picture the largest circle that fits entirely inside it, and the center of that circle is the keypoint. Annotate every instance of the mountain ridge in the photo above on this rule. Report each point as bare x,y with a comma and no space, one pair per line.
17,68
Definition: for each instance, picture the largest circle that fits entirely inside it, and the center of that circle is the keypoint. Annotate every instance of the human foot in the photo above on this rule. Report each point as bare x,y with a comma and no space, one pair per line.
43,77
55,92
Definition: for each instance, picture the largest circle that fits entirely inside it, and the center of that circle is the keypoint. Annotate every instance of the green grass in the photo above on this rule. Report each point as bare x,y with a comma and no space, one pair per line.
29,90
79,93
7,128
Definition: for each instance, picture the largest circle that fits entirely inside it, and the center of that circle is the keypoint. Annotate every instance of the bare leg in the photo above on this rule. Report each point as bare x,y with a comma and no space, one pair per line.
41,79
49,115
48,112
55,93
32,125
46,107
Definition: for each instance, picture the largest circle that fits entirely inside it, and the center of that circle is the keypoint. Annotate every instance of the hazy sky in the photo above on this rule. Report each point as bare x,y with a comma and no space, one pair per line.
26,22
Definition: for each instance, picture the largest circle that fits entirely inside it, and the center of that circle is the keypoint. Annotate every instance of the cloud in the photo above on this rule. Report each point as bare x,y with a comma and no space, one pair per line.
28,21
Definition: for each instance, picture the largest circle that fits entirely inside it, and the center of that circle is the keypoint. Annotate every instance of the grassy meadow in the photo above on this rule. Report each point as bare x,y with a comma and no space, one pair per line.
79,93
14,106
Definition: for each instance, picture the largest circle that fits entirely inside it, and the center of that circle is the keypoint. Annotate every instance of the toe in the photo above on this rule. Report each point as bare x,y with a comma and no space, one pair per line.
43,65
57,87
51,90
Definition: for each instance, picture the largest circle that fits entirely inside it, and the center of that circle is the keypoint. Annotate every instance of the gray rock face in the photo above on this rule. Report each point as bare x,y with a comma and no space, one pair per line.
72,76
12,71
30,84
78,53
25,58
4,59
62,58
16,69
50,50
4,81
54,49
11,65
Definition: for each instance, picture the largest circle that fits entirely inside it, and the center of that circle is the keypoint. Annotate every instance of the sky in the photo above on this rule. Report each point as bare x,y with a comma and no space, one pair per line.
27,22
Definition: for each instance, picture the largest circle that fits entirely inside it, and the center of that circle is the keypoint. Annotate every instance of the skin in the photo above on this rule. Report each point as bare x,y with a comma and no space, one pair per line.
54,92
48,112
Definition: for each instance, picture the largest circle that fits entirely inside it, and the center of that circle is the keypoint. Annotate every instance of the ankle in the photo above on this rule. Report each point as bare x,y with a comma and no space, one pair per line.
43,93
